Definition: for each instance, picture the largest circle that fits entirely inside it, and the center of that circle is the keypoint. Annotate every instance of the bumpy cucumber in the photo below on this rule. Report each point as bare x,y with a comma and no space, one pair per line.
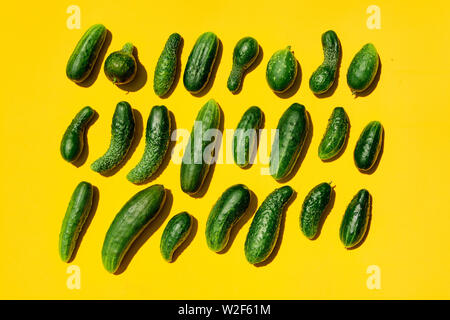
73,138
363,68
194,166
244,54
368,146
356,218
263,233
157,138
83,57
200,62
281,70
335,135
131,220
166,68
313,207
120,66
292,131
323,78
226,212
246,135
122,132
76,214
175,233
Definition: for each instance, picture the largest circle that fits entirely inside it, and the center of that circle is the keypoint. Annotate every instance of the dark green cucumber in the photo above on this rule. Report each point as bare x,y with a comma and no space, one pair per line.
363,68
323,78
83,57
356,218
244,54
128,224
121,66
225,214
245,138
263,233
194,166
335,135
157,138
313,208
122,132
76,214
73,138
368,146
166,68
281,70
200,62
175,233
292,130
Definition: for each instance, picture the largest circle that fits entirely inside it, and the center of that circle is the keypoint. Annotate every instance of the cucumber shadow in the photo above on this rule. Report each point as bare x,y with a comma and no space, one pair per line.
360,243
325,213
177,74
85,152
377,161
252,67
374,83
255,151
186,242
334,86
344,146
295,86
140,79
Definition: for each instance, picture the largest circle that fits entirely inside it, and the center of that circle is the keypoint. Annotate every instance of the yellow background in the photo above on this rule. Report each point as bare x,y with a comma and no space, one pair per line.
409,233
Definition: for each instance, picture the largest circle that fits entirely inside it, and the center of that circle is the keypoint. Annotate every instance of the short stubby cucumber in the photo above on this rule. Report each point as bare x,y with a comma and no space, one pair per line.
245,137
166,67
323,78
225,214
335,135
77,212
281,70
265,228
175,233
128,224
368,146
73,139
122,132
157,138
121,66
363,69
313,208
356,219
244,54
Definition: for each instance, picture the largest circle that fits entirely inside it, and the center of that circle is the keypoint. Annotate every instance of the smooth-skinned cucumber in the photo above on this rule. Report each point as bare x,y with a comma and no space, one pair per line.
175,233
166,67
335,135
313,208
368,146
363,68
121,66
244,54
281,70
245,137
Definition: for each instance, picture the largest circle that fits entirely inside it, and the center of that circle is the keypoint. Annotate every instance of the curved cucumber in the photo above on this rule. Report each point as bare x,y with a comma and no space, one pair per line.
83,57
335,135
281,70
76,214
363,68
313,207
356,218
175,233
166,68
323,78
245,138
368,146
72,141
244,54
292,131
226,212
120,66
122,131
263,233
157,138
131,220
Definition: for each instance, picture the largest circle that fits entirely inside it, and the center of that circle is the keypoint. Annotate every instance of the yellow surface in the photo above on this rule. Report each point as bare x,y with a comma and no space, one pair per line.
409,233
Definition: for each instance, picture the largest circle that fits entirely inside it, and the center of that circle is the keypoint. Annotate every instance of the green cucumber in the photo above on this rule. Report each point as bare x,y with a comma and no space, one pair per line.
265,228
194,166
281,70
368,146
166,68
175,233
356,219
335,135
363,68
157,138
200,62
83,57
128,224
73,138
225,214
244,54
323,78
313,208
292,130
78,210
122,132
121,66
245,138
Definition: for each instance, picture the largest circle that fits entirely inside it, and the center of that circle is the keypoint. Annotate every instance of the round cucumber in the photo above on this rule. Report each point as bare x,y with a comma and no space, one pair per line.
368,146
335,135
281,70
175,233
363,68
244,54
166,68
120,66
313,208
